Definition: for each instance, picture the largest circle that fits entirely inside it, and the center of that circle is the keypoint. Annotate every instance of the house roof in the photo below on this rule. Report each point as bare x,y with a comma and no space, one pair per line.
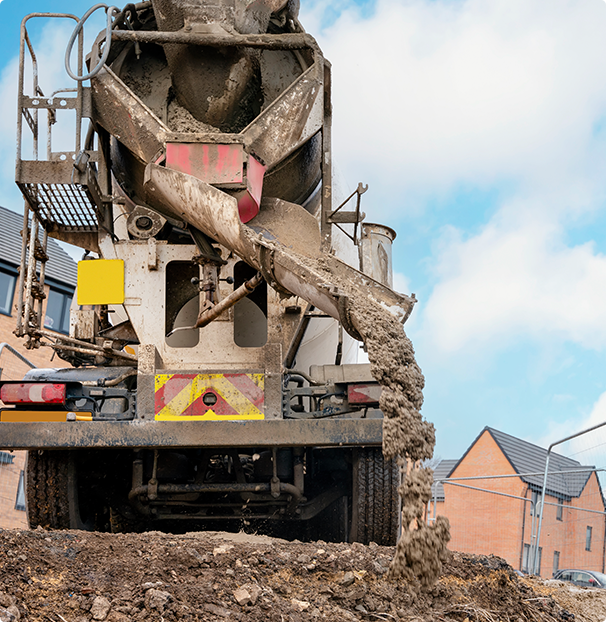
527,458
60,266
441,471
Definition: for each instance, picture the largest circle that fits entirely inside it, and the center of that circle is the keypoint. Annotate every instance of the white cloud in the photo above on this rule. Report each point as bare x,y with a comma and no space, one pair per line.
587,448
401,283
429,94
517,279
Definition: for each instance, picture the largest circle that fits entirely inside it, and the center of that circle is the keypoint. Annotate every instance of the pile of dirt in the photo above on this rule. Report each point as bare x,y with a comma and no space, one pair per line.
74,576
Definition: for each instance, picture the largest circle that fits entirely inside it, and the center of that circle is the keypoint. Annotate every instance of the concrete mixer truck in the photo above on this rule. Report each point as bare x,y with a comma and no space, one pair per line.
213,346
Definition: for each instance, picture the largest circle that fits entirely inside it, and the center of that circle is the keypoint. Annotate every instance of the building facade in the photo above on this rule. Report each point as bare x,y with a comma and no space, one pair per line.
60,284
492,498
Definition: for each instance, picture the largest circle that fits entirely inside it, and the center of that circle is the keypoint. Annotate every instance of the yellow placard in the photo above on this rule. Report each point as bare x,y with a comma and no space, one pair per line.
101,282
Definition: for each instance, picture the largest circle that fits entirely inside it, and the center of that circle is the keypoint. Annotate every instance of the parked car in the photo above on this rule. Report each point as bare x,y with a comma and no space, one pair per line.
582,578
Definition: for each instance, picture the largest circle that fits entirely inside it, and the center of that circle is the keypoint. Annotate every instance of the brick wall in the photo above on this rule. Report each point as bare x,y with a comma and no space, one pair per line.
40,357
487,523
482,522
10,516
577,522
568,535
14,369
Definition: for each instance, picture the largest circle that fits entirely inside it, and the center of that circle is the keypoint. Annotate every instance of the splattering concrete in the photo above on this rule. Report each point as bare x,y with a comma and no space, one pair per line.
407,437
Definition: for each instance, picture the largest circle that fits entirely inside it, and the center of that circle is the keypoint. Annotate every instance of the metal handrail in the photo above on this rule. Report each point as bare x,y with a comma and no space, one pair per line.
25,40
26,305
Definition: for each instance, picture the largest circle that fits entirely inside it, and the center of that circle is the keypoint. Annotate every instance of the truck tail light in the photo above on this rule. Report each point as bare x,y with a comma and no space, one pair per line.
366,393
32,393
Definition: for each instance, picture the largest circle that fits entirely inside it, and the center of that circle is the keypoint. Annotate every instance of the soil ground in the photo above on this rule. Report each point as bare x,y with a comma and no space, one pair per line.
74,576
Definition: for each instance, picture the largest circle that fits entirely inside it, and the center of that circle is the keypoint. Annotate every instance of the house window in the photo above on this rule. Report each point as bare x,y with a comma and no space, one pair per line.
588,538
559,510
6,458
57,311
528,559
556,561
7,290
20,501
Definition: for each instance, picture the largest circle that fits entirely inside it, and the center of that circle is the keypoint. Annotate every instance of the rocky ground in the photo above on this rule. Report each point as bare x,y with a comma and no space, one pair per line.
84,577
588,605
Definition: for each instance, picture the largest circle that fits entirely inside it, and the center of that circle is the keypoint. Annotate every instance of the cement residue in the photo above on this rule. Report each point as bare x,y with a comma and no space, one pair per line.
406,436
181,120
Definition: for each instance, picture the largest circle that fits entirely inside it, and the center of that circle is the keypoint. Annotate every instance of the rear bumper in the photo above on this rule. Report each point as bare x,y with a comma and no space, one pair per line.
116,434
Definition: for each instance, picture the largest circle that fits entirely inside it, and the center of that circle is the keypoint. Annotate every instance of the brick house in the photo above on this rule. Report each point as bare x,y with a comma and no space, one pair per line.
499,515
60,284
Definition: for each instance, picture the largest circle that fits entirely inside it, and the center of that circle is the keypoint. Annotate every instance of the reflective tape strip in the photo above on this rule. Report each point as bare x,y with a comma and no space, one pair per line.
209,397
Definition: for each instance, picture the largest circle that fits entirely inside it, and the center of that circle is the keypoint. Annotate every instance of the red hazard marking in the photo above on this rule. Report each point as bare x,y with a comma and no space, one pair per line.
170,389
209,162
246,385
242,382
198,407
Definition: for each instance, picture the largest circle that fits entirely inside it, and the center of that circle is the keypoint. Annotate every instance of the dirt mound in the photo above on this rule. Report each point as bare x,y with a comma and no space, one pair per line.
73,576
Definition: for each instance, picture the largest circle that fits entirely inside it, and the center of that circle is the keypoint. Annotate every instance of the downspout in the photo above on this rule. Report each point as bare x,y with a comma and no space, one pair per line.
536,551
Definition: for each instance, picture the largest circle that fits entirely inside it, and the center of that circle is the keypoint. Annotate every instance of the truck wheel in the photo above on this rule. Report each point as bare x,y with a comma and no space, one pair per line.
52,492
119,523
331,524
375,503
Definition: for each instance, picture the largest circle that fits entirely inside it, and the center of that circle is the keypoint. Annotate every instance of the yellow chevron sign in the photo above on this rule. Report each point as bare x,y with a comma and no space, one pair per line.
209,397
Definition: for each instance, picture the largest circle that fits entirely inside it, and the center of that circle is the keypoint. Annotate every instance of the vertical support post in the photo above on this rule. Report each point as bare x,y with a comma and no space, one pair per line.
24,238
42,275
20,100
535,561
31,273
35,87
79,93
434,501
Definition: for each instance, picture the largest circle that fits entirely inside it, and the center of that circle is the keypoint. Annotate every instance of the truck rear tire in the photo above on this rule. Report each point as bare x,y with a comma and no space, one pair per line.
52,496
375,501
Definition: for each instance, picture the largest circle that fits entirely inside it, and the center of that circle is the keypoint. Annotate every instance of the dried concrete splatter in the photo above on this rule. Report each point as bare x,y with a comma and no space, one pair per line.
181,120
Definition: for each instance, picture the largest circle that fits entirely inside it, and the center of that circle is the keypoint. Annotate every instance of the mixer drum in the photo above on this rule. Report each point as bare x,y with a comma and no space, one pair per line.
209,90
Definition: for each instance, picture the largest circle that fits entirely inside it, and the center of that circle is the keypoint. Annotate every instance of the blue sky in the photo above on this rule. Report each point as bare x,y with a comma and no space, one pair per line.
480,126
